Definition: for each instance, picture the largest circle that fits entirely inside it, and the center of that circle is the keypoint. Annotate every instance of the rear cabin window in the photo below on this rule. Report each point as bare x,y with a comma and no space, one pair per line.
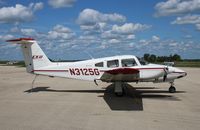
128,62
100,64
113,63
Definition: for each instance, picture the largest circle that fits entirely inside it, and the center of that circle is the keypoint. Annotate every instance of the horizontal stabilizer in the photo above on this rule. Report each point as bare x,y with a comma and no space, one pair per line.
21,40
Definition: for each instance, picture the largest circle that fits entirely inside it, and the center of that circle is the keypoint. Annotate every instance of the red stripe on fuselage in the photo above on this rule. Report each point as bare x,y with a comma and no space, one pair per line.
150,68
50,70
114,71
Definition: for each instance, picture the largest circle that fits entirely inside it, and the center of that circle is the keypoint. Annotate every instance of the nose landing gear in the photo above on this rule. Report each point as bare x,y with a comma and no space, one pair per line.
172,89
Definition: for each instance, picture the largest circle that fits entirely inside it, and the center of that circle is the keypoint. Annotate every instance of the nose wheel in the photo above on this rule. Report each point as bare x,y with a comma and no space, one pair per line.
172,89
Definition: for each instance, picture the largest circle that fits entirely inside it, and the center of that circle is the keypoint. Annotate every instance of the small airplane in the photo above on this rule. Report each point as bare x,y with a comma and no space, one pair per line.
118,70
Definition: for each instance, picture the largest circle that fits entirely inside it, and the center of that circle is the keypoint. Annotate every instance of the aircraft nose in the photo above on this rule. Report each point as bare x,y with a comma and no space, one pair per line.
181,73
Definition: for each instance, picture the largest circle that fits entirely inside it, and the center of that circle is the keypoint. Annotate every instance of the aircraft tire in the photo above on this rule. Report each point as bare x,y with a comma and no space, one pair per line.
172,89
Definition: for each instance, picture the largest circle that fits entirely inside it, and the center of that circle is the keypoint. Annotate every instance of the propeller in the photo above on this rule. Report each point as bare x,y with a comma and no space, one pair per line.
166,69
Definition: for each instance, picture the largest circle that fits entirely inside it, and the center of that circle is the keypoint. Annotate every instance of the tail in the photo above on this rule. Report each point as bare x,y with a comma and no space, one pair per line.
34,57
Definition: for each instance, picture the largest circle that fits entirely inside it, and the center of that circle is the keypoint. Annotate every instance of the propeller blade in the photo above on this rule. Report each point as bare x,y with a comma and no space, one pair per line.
166,73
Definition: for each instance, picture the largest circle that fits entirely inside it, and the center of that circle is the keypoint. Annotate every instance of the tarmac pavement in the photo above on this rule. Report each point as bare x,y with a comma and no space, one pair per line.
65,104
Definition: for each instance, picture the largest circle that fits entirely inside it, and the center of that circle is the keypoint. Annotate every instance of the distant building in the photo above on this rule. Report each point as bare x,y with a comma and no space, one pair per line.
11,62
169,63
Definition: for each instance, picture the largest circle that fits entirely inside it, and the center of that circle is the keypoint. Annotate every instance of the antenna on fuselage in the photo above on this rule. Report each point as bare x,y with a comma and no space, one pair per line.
89,54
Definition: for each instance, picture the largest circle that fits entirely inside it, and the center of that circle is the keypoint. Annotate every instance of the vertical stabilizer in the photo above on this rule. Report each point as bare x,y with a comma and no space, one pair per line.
34,57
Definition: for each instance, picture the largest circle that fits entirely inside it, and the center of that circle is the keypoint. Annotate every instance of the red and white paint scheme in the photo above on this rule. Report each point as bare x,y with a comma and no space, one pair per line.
117,69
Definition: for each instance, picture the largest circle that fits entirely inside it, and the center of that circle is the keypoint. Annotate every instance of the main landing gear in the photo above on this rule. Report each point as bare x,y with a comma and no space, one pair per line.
172,89
118,89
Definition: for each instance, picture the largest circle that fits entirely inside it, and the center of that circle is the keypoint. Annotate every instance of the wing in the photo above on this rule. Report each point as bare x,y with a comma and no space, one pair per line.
120,74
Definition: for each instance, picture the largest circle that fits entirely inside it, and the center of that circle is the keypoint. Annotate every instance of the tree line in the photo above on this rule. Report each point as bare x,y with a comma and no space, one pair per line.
153,58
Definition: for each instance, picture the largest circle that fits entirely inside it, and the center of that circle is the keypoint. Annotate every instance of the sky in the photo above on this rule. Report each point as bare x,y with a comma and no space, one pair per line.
81,29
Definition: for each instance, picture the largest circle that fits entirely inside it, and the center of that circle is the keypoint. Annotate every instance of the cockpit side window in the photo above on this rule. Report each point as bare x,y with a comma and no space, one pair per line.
128,62
100,64
113,63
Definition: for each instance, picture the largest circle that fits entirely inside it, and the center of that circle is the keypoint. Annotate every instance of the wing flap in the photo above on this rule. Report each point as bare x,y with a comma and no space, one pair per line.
120,74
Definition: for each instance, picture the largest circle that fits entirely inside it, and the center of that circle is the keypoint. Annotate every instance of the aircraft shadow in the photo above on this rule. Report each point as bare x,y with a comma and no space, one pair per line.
131,101
47,89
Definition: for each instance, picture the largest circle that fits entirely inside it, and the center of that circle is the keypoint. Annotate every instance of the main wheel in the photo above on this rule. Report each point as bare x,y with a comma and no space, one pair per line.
119,94
172,89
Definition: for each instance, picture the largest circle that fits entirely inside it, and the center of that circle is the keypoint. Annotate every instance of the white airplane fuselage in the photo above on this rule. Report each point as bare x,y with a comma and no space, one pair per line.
86,70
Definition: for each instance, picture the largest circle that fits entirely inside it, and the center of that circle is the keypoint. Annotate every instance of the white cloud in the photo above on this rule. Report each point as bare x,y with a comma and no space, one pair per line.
6,37
113,41
89,29
188,36
62,29
167,46
129,28
61,3
28,32
109,35
144,42
131,45
173,43
104,26
19,13
94,22
14,30
198,26
155,39
188,19
91,17
110,39
180,7
103,33
174,7
61,32
132,36
87,37
38,6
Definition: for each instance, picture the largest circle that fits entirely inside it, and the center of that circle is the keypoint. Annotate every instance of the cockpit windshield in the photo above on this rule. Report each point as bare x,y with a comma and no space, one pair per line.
142,61
128,62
